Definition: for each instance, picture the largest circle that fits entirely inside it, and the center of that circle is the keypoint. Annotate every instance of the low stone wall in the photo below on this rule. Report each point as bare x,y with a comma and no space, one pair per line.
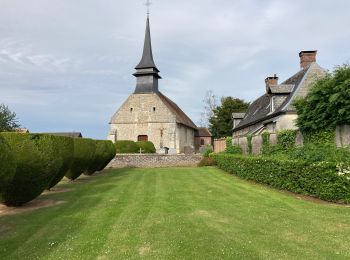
154,160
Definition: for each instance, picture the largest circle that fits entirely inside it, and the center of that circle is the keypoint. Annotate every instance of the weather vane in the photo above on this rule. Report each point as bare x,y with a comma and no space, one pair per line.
148,4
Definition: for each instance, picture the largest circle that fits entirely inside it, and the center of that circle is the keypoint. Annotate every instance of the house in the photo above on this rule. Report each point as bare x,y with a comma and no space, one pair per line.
203,137
274,110
148,115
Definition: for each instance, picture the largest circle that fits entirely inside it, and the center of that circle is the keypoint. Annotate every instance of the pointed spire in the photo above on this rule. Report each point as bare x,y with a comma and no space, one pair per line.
147,61
146,71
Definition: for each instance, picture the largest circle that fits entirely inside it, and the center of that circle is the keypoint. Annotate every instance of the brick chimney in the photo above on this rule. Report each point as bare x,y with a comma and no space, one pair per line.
306,58
270,81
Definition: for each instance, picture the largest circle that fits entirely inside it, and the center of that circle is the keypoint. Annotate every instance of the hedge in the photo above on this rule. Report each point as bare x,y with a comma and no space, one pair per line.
146,147
84,151
37,164
64,149
322,180
125,146
104,153
7,165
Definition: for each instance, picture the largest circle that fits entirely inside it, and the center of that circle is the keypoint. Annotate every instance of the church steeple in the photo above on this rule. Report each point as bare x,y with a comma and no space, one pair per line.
146,71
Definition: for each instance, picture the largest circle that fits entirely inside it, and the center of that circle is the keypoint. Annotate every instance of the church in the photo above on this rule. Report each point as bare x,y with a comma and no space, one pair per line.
148,115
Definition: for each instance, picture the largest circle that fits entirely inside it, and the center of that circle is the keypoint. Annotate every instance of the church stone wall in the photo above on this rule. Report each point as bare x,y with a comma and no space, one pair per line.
146,114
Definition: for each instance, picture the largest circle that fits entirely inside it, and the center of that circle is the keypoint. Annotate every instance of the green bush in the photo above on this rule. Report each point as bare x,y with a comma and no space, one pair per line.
322,180
64,149
37,164
232,149
84,151
125,146
104,153
7,165
286,139
146,147
327,104
207,161
206,150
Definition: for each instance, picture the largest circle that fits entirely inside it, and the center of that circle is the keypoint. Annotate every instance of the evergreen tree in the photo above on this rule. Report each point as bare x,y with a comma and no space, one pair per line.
221,123
8,119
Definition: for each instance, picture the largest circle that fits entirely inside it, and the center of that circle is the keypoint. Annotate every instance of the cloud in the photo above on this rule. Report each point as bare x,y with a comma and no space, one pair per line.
67,65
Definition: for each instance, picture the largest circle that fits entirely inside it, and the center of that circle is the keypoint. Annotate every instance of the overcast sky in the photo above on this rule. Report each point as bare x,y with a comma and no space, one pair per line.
66,65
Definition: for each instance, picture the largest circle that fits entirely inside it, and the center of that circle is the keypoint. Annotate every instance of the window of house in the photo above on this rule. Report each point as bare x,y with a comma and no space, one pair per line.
202,141
154,109
131,109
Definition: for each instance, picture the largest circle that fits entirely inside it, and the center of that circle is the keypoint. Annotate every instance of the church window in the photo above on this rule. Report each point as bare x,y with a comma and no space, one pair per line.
154,109
131,109
142,138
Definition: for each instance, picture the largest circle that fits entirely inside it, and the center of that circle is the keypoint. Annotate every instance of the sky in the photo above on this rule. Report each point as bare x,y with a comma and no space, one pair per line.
67,65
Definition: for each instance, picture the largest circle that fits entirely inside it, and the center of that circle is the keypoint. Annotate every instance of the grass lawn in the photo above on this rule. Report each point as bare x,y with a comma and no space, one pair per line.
176,213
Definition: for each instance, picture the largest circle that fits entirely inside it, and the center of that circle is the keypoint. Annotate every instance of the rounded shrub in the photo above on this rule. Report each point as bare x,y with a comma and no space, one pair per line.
84,151
105,152
37,164
7,165
146,147
125,146
64,149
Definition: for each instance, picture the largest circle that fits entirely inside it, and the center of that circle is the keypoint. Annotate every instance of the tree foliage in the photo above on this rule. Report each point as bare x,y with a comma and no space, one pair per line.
8,119
221,121
327,104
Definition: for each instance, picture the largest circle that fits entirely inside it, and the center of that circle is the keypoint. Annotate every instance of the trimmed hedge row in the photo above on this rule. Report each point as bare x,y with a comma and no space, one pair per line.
322,180
31,163
126,146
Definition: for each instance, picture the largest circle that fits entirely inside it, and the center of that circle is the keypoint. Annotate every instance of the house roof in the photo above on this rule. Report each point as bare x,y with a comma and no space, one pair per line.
260,110
203,132
281,89
181,117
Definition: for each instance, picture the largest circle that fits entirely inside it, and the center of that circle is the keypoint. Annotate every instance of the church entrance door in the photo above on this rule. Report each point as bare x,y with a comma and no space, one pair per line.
142,138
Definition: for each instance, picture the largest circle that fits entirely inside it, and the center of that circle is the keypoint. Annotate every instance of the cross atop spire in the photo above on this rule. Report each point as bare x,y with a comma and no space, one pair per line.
148,4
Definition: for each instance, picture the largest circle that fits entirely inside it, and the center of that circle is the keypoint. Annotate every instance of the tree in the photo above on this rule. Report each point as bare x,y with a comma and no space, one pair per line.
327,104
221,121
210,102
8,119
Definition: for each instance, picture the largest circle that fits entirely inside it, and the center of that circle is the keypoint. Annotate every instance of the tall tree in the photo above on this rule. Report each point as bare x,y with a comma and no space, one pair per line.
8,119
210,102
221,123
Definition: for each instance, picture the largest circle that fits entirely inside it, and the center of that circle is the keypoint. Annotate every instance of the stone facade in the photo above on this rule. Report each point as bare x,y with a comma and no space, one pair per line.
154,161
147,115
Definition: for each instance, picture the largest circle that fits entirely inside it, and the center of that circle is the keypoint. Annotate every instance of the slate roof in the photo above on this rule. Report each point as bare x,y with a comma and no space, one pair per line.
181,117
282,89
203,132
260,111
147,55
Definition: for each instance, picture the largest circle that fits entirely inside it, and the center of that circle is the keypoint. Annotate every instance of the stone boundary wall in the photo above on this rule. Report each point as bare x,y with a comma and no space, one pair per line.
219,145
154,160
342,139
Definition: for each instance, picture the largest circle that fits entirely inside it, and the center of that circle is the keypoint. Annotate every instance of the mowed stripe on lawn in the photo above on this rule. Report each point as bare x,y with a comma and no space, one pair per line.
175,213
